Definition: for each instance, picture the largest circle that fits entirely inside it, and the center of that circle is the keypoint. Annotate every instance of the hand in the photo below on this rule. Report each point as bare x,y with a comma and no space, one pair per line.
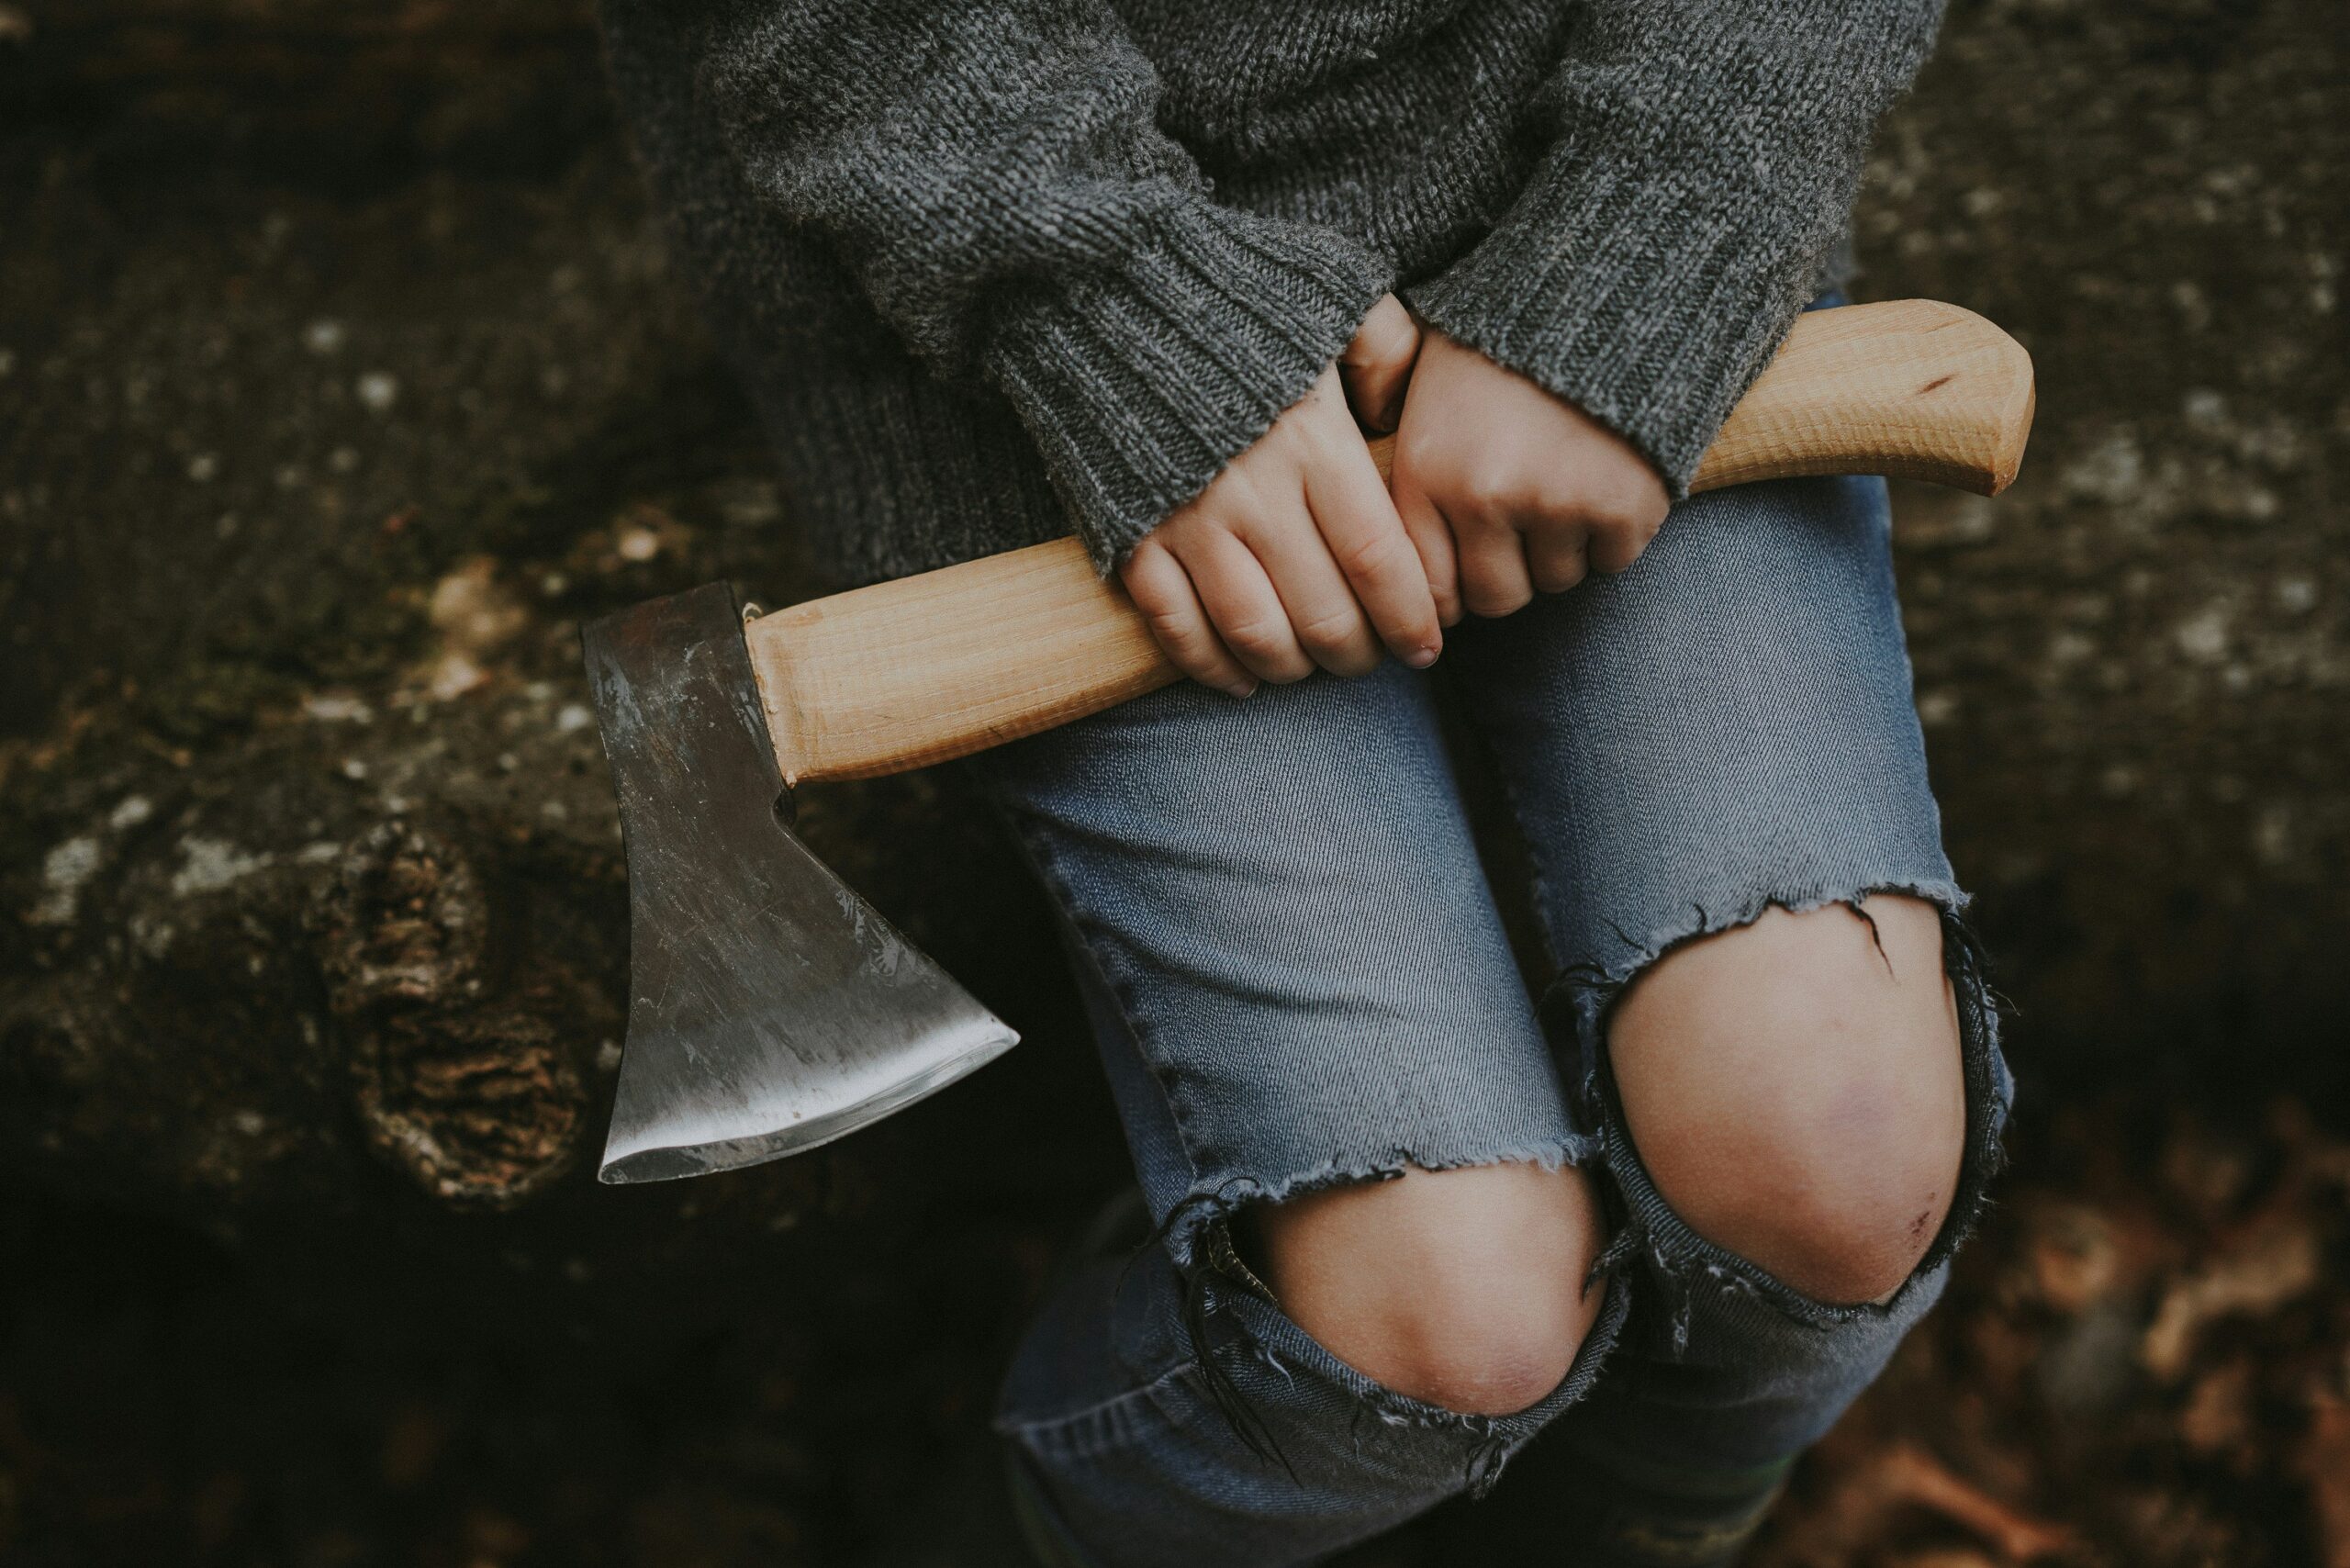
1294,557
1377,366
1531,491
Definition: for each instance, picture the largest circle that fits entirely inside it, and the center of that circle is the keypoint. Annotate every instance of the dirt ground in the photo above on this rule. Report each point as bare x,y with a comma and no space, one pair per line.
341,374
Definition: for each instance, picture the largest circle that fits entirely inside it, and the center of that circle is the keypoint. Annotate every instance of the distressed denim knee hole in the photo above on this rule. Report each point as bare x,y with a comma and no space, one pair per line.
1681,1269
1467,1288
1249,1345
1794,1089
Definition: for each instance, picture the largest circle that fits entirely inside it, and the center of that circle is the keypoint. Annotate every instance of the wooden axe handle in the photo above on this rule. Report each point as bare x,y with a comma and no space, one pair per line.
916,671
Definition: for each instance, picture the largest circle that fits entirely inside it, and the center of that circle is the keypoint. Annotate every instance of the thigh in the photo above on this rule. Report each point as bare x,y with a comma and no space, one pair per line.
1725,729
1726,726
1296,966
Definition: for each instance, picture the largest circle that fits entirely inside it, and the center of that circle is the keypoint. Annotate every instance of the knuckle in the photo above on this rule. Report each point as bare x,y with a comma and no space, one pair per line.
1616,515
1261,638
1177,631
1616,560
1369,555
1330,629
1493,603
1485,488
1391,350
1418,455
1490,594
1617,541
1579,510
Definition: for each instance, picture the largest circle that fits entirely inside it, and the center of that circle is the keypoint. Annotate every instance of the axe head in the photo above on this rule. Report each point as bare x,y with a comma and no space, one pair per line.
772,1009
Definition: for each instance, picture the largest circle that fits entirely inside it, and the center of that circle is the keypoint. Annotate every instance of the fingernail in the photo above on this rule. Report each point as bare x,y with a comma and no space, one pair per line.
1423,655
1242,689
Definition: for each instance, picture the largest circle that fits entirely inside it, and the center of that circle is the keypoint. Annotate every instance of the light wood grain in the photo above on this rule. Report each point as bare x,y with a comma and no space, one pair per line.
928,667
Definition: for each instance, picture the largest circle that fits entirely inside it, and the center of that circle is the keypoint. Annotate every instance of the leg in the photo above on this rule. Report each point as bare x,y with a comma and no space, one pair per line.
1775,1023
1315,1027
1796,1090
1462,1289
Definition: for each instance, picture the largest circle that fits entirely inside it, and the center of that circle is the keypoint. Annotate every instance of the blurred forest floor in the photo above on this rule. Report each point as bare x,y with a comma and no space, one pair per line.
341,374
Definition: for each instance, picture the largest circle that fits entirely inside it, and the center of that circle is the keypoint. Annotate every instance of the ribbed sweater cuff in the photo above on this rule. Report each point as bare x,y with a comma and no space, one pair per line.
1139,384
1647,298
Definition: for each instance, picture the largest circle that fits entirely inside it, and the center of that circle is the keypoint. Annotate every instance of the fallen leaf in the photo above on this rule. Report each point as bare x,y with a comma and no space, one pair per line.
2274,1263
1909,1474
472,610
451,676
1867,1507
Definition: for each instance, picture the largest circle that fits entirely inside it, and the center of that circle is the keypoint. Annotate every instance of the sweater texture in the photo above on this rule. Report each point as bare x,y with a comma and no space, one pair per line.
997,269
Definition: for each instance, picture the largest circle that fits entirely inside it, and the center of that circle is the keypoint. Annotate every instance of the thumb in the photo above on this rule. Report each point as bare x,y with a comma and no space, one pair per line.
1377,365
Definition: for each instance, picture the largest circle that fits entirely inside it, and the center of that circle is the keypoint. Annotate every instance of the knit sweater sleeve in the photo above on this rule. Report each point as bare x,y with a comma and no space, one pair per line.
992,173
1699,166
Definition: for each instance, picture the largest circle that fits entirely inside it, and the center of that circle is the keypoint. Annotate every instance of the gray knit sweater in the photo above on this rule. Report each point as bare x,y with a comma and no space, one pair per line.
994,269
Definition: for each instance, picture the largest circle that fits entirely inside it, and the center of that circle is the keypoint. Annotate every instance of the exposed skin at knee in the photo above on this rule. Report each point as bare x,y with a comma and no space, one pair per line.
1798,1096
1462,1288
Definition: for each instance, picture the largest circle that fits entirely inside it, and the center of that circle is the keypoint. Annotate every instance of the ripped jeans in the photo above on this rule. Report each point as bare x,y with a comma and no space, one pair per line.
1300,978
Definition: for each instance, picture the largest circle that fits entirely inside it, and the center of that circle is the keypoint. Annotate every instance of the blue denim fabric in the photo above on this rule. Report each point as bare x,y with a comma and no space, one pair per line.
1299,978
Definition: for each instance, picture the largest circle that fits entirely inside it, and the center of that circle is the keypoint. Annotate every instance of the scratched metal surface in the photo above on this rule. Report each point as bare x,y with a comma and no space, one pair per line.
771,1008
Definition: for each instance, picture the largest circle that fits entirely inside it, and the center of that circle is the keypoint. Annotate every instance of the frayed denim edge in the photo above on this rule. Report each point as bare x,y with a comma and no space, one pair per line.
1648,1228
1271,1339
1221,1291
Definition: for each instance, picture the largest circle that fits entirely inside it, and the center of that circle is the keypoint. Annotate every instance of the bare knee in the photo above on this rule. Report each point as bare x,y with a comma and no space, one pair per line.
1797,1092
1462,1288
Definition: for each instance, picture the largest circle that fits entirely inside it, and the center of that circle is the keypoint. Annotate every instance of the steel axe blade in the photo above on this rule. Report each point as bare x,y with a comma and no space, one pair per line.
772,1008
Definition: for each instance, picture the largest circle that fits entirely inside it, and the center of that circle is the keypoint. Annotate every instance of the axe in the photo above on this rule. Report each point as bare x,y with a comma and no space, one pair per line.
772,1009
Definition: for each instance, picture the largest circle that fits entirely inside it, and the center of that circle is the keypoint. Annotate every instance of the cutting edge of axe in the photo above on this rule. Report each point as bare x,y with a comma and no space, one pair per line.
772,1009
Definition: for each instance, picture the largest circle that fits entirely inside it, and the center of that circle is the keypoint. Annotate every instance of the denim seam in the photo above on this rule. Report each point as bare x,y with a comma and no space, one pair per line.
1050,1425
1040,857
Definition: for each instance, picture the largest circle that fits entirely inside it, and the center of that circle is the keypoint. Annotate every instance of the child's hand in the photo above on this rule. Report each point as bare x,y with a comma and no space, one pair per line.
1533,491
1293,557
1377,366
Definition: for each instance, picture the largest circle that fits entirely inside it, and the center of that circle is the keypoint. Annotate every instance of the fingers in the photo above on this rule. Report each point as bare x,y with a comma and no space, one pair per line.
1431,537
1449,514
1163,590
1627,528
1557,555
1379,561
1509,544
1494,578
1249,614
1324,615
1377,365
